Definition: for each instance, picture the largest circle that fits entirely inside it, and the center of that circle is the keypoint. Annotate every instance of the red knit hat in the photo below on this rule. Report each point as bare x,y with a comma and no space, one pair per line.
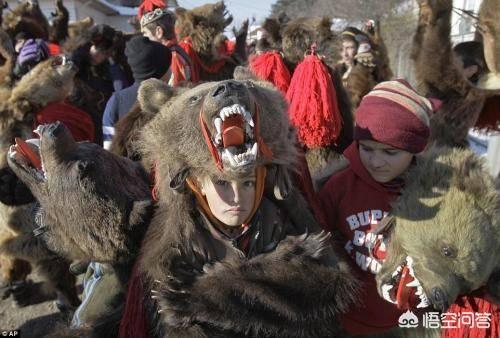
394,113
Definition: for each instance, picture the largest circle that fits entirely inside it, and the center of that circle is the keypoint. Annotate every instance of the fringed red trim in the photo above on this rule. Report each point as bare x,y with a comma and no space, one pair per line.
269,66
469,307
313,104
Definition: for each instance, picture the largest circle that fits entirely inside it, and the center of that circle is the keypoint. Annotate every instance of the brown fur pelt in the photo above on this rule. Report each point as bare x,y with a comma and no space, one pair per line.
42,85
106,217
448,220
438,75
7,60
359,83
78,34
127,130
488,17
286,292
58,31
297,288
26,17
205,25
299,34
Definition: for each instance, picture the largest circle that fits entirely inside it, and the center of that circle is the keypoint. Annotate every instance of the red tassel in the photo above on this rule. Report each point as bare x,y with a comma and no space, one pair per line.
313,104
150,5
269,66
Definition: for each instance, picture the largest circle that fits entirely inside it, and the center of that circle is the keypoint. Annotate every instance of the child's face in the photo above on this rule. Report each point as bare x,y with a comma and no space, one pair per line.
383,162
231,201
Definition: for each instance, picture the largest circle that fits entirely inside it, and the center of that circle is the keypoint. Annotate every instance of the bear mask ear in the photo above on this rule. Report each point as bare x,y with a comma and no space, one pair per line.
153,94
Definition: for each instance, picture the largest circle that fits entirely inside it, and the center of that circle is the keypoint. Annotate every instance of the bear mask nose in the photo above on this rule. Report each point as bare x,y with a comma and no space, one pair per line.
226,88
439,299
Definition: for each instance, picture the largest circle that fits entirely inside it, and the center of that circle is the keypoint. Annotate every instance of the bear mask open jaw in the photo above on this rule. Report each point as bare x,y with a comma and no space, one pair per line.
234,137
405,289
26,155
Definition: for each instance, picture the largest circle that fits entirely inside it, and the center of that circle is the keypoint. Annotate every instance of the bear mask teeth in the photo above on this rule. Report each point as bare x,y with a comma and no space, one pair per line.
404,285
234,136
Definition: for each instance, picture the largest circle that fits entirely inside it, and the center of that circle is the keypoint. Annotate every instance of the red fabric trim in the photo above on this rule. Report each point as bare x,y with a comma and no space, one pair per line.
209,143
134,323
54,48
198,65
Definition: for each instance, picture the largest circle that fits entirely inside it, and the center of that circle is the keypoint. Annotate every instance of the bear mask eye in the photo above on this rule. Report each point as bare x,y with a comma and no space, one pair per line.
448,251
194,100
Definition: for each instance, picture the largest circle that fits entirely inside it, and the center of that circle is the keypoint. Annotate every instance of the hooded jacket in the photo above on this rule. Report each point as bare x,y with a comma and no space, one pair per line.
354,204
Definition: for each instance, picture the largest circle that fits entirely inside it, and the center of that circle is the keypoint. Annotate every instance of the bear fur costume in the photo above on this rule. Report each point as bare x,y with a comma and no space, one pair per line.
292,38
438,75
289,290
19,250
58,31
446,228
74,198
202,28
26,17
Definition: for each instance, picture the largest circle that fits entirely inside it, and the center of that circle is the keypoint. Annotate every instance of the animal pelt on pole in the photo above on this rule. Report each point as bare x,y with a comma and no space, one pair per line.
438,76
282,291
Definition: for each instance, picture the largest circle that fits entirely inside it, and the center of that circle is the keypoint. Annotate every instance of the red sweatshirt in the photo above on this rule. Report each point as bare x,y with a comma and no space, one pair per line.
354,204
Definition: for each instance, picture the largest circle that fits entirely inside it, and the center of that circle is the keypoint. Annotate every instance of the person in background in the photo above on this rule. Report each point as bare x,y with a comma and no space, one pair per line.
159,25
148,59
96,66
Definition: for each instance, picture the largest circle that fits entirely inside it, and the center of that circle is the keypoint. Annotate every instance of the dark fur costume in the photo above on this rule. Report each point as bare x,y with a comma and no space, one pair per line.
205,25
203,286
58,31
26,17
438,76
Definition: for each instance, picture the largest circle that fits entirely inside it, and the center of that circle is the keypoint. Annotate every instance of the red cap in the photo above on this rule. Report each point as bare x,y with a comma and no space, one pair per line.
394,113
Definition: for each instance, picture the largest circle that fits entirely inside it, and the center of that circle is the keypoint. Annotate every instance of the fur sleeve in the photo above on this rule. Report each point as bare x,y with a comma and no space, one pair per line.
287,292
432,51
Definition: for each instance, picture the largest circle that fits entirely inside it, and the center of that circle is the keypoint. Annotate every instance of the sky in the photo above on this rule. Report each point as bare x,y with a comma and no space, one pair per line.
239,9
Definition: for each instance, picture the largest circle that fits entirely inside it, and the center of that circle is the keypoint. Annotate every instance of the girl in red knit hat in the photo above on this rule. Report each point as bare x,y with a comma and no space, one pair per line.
392,125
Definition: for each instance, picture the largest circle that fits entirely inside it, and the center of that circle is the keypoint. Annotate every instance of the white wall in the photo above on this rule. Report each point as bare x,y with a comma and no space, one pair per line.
462,26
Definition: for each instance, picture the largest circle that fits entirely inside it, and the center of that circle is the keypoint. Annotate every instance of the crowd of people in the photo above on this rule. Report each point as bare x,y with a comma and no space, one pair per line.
277,187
